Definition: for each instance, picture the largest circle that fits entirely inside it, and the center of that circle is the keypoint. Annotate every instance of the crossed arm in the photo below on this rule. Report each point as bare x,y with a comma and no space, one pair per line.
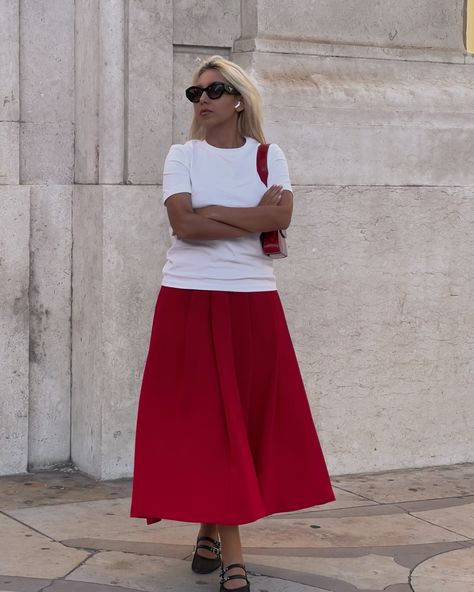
217,222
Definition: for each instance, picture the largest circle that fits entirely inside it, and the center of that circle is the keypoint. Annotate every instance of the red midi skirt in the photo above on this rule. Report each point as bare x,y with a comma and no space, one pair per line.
224,430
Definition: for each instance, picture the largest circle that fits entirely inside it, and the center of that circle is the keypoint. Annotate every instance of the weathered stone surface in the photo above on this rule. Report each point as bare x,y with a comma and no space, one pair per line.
29,553
121,235
447,572
378,304
50,325
47,91
457,519
9,153
410,485
426,23
367,121
87,90
150,89
14,327
288,554
373,108
9,93
9,63
193,22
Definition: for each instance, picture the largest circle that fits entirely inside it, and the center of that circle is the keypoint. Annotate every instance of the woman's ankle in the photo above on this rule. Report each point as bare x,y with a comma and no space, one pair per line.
208,529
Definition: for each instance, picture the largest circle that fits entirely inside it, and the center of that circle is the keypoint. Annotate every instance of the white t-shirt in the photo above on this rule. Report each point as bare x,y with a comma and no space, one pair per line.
227,177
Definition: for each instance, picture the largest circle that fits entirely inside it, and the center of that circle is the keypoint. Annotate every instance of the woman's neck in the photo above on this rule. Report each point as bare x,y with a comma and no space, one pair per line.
224,140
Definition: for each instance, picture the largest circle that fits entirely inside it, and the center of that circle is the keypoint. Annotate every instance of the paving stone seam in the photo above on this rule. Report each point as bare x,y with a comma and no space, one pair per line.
410,573
353,493
93,586
336,552
439,526
28,526
91,552
77,566
301,577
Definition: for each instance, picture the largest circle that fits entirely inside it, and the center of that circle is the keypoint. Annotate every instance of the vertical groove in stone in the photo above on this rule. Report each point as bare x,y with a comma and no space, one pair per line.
112,90
249,19
20,107
126,39
86,149
30,345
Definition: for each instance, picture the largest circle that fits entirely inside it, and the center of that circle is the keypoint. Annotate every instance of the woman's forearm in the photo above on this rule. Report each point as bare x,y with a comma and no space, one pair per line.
255,219
196,227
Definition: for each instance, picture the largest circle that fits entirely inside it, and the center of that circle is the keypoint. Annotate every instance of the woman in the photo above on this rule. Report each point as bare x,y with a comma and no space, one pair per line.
224,434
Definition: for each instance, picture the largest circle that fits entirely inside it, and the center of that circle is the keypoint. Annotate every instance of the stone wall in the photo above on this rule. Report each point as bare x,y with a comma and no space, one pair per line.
373,108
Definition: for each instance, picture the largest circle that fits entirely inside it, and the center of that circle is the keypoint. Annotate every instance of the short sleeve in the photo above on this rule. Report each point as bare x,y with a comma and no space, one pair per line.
278,168
176,172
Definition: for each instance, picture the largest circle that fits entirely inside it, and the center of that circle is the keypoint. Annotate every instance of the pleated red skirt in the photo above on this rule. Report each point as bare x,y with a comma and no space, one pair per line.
224,430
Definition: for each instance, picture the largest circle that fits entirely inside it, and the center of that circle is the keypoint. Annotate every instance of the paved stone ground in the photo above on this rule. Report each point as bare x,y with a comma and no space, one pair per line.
395,531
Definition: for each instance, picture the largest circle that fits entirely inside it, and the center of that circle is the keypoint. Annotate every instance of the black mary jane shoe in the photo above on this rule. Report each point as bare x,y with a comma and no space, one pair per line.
204,565
225,578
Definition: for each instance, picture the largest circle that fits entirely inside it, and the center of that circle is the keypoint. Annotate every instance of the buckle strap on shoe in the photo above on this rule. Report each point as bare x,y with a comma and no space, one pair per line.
234,576
214,549
226,569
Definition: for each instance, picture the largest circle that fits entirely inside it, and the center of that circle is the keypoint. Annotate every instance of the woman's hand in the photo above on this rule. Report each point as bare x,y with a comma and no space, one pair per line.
272,196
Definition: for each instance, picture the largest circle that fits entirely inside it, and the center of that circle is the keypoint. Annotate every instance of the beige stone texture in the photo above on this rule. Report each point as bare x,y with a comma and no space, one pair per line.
372,106
87,62
378,308
447,572
96,545
344,499
110,62
367,121
9,153
411,484
119,232
89,519
426,23
93,519
9,92
47,91
139,573
9,65
14,327
458,519
48,487
367,572
150,90
30,554
50,320
194,21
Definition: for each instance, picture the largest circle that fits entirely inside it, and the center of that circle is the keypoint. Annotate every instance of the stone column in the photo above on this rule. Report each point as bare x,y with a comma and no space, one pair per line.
36,131
124,117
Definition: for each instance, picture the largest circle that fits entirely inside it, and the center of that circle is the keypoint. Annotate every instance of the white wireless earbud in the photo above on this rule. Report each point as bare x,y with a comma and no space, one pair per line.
237,105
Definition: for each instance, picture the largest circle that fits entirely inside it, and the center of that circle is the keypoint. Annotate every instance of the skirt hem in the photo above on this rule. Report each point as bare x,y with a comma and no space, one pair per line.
234,522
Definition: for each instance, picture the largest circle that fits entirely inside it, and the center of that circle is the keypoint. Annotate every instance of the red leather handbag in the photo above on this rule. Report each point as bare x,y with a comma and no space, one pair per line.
273,241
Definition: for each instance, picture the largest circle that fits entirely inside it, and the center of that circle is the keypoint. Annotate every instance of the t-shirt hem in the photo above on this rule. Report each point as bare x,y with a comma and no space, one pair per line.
228,286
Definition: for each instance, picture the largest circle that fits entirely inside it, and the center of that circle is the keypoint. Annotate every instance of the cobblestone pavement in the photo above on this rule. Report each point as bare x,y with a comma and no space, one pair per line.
395,531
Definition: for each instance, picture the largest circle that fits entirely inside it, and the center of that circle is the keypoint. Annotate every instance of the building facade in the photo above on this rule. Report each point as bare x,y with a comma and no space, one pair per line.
372,104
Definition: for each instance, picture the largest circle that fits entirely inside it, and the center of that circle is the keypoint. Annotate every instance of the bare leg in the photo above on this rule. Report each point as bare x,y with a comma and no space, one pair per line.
231,551
209,530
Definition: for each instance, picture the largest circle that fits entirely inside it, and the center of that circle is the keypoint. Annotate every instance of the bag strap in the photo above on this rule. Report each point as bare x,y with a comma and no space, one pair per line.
262,167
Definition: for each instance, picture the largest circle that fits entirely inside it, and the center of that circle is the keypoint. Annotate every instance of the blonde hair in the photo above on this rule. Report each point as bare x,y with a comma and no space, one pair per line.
249,122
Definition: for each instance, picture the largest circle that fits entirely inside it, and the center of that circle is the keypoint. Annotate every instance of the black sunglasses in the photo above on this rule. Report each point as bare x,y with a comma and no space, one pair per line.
213,91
